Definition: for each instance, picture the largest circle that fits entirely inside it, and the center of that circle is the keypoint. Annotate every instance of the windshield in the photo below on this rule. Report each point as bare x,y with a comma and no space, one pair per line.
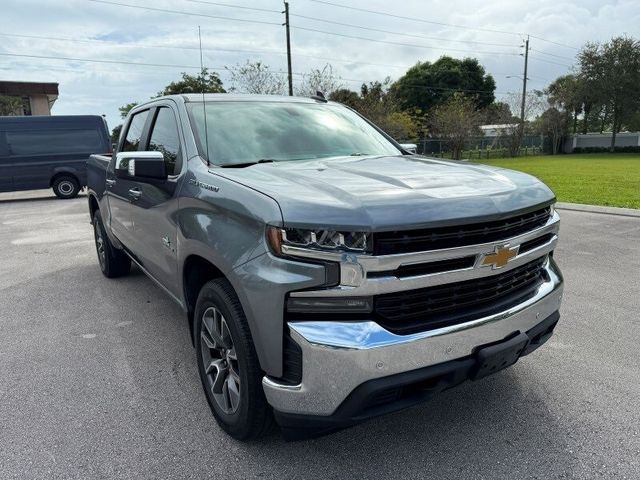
248,132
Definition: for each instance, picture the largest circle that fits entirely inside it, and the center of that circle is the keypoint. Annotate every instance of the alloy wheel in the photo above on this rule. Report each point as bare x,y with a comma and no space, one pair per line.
100,246
220,360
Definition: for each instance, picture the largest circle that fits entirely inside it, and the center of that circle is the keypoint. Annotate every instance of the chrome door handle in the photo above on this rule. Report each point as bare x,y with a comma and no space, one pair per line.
135,193
110,183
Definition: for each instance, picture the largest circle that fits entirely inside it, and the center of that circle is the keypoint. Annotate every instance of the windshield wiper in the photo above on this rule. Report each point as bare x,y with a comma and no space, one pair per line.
358,154
248,164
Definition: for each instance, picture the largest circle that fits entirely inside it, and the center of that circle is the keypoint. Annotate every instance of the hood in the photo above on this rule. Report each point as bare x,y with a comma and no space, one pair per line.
389,193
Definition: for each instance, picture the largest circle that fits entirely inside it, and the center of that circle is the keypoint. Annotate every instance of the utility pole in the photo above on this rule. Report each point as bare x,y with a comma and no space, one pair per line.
286,24
524,83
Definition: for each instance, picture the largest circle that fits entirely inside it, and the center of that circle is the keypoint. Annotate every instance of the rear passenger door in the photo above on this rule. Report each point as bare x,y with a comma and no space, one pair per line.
153,213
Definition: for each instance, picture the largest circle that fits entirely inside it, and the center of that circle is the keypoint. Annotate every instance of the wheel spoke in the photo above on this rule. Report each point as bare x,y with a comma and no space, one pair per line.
225,397
225,335
211,321
206,339
233,390
219,371
232,355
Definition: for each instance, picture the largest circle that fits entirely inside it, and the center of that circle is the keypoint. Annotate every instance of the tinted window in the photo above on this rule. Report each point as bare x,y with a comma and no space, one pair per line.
164,138
238,132
34,142
134,134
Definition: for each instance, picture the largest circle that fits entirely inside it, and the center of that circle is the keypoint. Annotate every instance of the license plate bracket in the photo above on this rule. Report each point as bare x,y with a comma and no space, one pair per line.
494,358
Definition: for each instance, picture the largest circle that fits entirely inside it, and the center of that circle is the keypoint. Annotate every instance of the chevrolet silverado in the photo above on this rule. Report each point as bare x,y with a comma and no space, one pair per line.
329,275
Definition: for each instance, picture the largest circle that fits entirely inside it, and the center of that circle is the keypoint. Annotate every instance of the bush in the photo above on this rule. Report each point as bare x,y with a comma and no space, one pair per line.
629,149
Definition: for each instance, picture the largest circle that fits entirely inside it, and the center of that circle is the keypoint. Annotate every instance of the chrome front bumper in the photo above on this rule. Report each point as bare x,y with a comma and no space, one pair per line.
339,356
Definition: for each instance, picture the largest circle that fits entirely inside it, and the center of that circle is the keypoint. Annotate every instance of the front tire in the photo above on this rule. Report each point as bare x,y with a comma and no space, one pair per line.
66,186
113,262
228,363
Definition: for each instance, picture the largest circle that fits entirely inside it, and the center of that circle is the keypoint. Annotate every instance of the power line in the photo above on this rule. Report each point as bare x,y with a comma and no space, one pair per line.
555,43
235,6
549,61
165,10
398,33
296,27
386,14
429,87
93,60
466,27
221,69
552,55
131,45
174,47
400,43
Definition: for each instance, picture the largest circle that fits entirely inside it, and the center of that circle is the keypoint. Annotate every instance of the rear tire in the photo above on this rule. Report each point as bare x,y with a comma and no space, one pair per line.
228,363
66,186
113,262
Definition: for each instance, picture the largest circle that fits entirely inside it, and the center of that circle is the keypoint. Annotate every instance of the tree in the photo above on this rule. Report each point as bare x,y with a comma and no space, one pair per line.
125,109
323,80
566,92
613,70
256,78
554,124
498,113
427,85
10,105
346,97
377,104
204,82
533,106
457,120
115,133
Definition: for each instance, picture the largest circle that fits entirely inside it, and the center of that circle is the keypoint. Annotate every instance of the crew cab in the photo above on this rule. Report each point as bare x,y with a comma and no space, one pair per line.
328,274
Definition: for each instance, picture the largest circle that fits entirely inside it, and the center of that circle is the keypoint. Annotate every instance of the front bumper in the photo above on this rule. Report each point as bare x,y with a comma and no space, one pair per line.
338,357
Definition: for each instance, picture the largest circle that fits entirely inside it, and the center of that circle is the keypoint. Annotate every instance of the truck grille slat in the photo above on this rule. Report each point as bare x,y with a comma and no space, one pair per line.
389,243
435,307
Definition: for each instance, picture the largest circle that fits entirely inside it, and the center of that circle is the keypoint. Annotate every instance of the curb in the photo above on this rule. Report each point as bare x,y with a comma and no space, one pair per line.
578,207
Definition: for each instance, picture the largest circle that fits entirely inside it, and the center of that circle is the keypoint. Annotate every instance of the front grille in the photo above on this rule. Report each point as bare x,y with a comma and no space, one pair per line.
449,304
388,243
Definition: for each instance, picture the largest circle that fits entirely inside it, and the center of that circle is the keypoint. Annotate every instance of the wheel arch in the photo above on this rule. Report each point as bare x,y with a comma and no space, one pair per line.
94,205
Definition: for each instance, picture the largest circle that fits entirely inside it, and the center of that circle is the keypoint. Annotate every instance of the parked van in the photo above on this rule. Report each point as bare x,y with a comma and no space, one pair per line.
49,152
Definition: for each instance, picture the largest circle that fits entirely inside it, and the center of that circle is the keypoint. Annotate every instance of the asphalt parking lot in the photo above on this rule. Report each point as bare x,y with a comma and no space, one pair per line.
98,376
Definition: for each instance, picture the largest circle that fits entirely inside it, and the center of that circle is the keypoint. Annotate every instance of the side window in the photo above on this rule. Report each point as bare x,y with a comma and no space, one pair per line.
134,134
164,138
54,141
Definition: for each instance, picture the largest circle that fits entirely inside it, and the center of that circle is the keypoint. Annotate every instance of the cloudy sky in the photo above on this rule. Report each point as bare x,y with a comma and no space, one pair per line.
155,43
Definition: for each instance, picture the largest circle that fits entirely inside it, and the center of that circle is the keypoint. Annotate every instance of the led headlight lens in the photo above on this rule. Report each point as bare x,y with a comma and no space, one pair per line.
325,240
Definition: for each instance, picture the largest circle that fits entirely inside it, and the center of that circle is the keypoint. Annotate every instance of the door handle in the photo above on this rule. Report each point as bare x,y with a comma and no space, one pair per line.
135,193
110,183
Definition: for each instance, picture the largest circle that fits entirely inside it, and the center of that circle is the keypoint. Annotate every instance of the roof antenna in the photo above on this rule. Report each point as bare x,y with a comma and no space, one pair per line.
204,104
319,96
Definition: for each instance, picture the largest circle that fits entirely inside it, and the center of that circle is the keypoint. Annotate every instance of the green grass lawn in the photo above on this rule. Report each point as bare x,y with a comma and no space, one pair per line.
597,179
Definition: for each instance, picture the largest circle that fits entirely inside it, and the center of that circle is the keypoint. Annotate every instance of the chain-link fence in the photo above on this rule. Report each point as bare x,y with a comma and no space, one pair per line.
480,147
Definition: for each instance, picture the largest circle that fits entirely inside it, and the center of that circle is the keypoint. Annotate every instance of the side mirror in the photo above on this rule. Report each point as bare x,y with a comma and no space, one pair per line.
410,147
141,165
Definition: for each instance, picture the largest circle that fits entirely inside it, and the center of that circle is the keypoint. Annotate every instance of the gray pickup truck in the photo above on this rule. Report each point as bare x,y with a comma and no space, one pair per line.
328,275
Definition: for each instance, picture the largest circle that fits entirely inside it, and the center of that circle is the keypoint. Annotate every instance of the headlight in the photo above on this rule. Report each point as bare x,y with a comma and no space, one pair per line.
324,240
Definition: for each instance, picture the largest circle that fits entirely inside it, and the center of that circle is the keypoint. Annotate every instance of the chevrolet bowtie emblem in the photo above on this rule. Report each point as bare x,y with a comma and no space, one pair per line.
500,257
